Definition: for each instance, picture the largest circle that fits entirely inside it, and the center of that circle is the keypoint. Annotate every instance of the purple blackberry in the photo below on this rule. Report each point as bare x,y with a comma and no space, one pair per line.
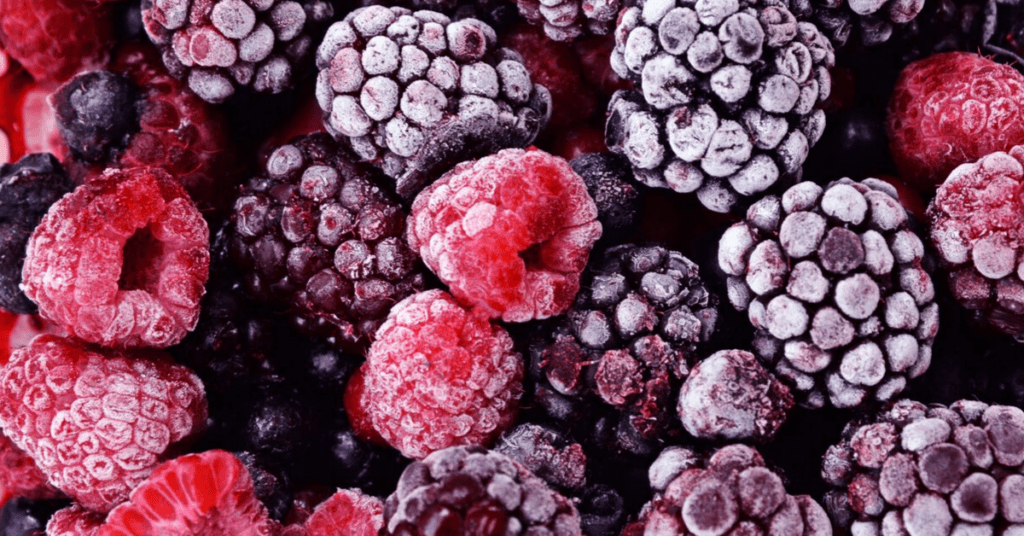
727,90
729,492
473,491
944,26
609,181
27,189
547,453
223,46
321,235
833,283
929,470
565,20
872,21
415,92
97,112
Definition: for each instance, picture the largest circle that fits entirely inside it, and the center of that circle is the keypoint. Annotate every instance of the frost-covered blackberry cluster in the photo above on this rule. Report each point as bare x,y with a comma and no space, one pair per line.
726,97
565,20
871,20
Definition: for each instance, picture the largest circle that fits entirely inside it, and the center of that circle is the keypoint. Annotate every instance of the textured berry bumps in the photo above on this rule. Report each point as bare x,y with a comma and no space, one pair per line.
54,39
121,261
438,375
950,109
349,511
97,422
509,233
19,475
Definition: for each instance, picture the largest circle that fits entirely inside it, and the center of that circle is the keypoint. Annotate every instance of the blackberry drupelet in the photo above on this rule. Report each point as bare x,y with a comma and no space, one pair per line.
547,453
609,181
872,21
565,20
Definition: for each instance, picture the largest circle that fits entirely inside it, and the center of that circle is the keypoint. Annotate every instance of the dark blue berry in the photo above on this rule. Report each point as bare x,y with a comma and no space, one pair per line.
96,113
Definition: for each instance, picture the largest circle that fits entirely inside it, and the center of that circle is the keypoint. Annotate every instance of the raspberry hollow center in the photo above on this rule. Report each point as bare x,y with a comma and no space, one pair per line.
143,260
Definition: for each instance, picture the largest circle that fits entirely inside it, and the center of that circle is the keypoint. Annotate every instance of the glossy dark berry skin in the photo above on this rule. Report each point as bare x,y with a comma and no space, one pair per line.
97,112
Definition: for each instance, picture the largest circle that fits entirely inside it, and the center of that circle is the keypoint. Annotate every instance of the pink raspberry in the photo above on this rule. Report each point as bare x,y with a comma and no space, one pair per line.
19,475
74,521
349,511
509,233
438,375
121,261
97,421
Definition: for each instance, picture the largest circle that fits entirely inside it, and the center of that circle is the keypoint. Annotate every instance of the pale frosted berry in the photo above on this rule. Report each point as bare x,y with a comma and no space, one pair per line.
547,453
565,20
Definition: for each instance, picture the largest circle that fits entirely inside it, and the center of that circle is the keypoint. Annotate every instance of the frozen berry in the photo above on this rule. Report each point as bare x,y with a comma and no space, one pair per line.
349,511
415,92
24,517
547,453
55,39
121,261
565,20
97,422
270,484
951,109
19,475
74,521
871,21
96,113
438,375
27,122
609,180
509,233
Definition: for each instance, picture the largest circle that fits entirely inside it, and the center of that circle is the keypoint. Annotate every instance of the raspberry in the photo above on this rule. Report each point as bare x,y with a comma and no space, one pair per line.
74,521
729,490
121,261
201,494
873,20
349,512
950,109
565,20
55,39
833,281
319,233
27,123
416,93
438,375
921,470
727,97
27,189
978,231
473,491
525,226
223,46
19,475
97,421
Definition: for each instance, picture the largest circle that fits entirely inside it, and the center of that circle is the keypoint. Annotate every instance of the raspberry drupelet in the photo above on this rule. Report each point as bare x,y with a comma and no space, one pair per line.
121,261
349,512
509,233
55,39
20,476
438,375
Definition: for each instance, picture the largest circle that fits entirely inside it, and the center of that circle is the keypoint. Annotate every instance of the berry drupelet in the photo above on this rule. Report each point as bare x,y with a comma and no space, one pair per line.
871,21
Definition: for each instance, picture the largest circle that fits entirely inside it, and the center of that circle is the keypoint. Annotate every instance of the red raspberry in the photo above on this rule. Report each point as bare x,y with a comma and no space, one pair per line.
121,261
205,494
55,39
27,123
348,512
74,521
950,109
509,233
19,475
97,421
439,375
356,405
17,331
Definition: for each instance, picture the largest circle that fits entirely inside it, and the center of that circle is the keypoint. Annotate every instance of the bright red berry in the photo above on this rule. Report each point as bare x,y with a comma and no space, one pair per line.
121,261
74,521
349,511
950,109
509,233
97,422
356,407
55,39
27,123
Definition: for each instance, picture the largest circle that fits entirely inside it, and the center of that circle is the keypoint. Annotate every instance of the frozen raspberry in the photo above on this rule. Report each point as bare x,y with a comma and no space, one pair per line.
470,491
27,123
872,21
951,109
730,396
438,375
726,100
547,453
74,521
565,20
19,475
223,46
834,284
320,234
121,261
348,511
509,233
729,492
416,93
55,39
978,230
97,421
923,470
27,189
193,495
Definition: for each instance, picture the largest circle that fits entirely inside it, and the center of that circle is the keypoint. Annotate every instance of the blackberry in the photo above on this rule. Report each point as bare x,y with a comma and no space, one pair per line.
872,21
350,462
473,491
320,234
628,340
944,26
726,99
833,281
96,112
221,47
27,189
602,510
609,181
415,92
270,484
547,453
565,20
917,469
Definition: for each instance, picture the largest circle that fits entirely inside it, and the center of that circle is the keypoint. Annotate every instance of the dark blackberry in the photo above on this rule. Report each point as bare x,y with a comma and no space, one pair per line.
547,453
282,427
834,283
602,510
726,96
943,26
320,235
352,462
871,21
27,189
221,47
22,517
473,491
96,113
416,93
269,483
609,181
565,20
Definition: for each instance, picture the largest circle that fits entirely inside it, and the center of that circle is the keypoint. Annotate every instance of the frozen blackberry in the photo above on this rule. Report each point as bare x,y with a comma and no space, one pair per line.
96,113
565,20
475,492
872,21
415,92
609,181
731,491
926,470
726,97
547,453
223,46
27,189
320,234
833,283
629,339
945,26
